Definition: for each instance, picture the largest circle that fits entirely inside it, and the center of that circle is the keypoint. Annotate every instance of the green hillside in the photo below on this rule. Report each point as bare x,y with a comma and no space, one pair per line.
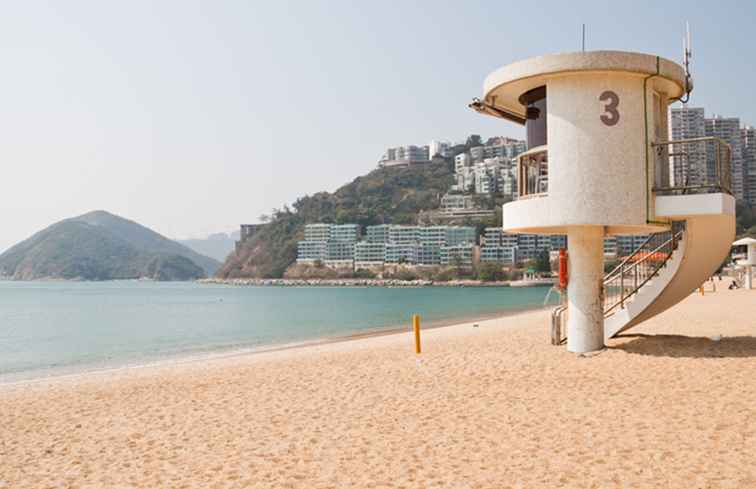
102,246
386,195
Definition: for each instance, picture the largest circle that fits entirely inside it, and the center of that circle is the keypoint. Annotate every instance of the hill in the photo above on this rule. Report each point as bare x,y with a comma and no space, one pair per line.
102,246
217,246
385,195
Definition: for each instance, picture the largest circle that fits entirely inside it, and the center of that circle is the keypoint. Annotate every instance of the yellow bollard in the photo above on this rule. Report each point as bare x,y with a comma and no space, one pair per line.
416,327
701,289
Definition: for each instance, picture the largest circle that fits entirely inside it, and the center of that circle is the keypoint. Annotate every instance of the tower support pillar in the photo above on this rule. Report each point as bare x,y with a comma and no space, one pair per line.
585,313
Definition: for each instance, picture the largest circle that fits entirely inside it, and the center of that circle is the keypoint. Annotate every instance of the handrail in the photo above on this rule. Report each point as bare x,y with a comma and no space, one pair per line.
658,249
533,173
628,258
704,168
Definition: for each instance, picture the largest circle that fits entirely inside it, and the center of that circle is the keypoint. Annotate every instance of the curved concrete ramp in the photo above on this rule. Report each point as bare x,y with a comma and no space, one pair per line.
710,230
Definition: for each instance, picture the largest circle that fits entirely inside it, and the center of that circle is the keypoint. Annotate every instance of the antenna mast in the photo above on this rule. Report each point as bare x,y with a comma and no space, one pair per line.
583,37
687,54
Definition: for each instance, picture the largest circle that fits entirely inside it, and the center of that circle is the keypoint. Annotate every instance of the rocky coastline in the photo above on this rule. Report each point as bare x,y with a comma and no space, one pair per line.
348,282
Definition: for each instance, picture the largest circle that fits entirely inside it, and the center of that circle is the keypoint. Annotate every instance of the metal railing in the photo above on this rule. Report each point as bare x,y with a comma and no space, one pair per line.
533,173
639,267
692,166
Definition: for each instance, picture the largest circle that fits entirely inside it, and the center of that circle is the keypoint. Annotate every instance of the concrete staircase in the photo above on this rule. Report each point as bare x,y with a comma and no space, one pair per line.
696,253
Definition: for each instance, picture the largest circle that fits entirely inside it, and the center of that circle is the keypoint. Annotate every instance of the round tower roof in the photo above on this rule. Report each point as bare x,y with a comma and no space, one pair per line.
503,88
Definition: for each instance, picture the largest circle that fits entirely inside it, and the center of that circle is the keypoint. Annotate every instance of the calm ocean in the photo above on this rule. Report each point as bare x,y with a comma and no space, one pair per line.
61,327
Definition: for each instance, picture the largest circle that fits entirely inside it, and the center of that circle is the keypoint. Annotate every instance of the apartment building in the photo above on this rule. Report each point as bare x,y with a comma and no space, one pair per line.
318,232
378,233
332,244
428,254
439,148
404,234
498,254
689,164
494,250
340,254
728,128
369,254
397,253
345,232
456,202
748,143
311,251
510,149
433,235
457,255
405,156
460,235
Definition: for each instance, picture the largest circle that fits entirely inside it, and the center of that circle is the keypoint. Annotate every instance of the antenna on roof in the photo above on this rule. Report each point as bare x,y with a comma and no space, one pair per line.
687,54
583,37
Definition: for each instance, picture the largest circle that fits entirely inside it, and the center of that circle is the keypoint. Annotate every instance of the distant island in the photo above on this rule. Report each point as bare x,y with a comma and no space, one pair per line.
216,246
102,246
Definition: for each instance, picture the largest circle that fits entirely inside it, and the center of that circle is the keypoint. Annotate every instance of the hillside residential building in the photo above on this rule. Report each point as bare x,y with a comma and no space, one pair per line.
456,202
345,232
378,233
392,244
246,231
369,254
318,232
401,253
405,156
439,148
311,251
457,255
460,235
509,248
404,234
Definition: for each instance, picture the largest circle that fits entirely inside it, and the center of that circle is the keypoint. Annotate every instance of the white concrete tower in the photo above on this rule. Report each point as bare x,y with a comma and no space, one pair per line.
591,169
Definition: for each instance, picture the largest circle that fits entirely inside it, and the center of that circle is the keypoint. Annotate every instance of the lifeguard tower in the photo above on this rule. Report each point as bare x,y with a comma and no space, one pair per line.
748,261
600,163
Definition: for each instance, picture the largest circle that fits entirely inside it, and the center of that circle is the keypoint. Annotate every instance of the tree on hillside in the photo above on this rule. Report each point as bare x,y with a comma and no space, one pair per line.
474,140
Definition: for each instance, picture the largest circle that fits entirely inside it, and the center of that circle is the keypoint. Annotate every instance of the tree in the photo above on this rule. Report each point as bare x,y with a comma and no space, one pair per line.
745,218
542,262
474,140
491,272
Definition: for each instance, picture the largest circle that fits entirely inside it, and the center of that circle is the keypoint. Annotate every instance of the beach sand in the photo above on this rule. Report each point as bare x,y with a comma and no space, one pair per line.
487,407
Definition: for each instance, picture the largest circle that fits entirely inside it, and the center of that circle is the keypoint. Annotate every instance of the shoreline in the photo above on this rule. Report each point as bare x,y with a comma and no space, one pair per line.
81,372
670,404
351,282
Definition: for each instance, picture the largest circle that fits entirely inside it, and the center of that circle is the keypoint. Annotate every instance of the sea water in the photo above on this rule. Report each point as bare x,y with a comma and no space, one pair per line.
49,328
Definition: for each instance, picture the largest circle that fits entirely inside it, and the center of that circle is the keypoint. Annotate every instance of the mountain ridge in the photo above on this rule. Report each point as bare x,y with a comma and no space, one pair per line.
102,246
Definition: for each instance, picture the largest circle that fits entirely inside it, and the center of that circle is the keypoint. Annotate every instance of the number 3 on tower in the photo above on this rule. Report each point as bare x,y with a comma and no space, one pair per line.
611,115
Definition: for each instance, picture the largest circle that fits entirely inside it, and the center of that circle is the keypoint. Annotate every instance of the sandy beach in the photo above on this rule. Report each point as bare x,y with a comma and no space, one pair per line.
488,406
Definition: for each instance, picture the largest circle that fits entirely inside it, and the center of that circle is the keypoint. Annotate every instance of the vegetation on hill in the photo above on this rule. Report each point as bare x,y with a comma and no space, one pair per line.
384,196
101,246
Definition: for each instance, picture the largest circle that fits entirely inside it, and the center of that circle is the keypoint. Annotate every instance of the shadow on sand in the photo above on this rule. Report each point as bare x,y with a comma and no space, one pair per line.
678,346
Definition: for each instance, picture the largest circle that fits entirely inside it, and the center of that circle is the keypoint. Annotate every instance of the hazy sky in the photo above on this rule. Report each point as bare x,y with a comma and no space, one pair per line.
192,117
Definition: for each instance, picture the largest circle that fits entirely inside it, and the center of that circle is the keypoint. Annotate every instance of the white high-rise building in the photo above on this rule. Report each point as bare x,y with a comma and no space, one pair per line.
748,141
405,156
728,128
692,169
441,148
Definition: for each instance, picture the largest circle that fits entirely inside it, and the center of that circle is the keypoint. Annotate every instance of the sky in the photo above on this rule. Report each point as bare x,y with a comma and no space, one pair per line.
193,117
